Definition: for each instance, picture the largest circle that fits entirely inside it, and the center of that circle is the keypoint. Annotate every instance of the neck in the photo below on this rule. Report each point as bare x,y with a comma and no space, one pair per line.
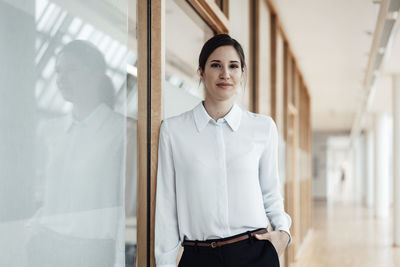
81,111
218,109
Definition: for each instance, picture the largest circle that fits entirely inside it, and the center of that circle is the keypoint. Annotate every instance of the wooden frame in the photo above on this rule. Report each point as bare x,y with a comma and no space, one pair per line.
297,134
212,14
224,6
285,88
150,80
252,53
273,38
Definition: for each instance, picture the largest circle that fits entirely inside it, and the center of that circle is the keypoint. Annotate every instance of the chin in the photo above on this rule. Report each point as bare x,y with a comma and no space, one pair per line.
225,97
218,94
67,97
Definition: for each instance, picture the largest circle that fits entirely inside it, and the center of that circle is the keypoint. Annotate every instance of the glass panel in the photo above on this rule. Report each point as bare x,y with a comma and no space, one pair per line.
64,112
183,90
279,106
131,170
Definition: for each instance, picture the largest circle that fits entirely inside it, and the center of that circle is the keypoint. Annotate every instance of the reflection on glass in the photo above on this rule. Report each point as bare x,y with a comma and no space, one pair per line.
68,193
80,221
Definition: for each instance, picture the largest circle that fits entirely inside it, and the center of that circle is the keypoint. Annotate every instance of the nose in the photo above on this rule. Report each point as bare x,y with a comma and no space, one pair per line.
224,73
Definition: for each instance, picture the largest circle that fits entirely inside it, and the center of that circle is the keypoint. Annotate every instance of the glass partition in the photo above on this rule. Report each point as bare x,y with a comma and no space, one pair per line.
68,133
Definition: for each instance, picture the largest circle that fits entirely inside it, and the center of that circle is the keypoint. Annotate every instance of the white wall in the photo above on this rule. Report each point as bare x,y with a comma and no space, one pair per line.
319,144
330,152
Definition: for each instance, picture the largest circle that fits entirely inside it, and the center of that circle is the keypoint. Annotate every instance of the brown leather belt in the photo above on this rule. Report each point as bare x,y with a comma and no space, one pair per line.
224,242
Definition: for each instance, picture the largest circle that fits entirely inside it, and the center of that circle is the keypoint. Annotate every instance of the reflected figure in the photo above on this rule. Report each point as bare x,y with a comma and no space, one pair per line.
81,218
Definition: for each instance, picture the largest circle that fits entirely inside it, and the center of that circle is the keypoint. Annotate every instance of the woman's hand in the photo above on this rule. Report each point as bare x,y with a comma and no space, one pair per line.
279,240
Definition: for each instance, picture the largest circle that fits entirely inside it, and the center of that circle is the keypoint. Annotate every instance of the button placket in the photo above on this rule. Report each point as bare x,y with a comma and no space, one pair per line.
223,180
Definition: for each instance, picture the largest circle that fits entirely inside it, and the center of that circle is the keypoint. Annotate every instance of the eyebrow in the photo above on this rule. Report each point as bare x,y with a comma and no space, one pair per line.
232,61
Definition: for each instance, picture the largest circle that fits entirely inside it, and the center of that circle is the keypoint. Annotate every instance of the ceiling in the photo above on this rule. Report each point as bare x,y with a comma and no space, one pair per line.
331,41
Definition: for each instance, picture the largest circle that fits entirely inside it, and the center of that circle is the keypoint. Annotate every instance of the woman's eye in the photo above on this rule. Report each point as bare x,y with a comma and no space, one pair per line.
234,66
215,65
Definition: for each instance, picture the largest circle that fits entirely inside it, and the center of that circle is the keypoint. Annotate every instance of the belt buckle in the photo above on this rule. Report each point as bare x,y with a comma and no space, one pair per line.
213,244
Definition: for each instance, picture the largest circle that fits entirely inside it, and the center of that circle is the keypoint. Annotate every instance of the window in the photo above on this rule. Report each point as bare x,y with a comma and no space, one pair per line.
65,136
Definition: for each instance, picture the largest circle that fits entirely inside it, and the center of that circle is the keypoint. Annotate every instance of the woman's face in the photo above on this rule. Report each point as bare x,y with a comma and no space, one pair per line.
74,79
222,73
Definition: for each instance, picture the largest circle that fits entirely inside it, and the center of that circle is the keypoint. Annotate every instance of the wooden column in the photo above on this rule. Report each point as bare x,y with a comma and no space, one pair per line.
150,83
273,47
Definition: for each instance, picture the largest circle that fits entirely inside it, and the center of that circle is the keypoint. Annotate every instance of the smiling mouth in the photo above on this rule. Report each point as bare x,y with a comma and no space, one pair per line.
224,85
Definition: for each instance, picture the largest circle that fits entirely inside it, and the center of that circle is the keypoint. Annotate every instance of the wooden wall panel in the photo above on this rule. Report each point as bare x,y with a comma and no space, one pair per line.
262,58
285,88
273,69
279,113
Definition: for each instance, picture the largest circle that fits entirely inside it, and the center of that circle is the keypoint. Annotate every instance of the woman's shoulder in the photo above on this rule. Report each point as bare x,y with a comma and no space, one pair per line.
178,121
260,119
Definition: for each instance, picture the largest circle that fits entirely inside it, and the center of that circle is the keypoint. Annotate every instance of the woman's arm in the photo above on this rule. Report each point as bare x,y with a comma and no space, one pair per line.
270,184
166,226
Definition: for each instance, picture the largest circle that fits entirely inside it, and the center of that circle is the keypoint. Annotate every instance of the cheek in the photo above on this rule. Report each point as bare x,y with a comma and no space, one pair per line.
210,79
237,76
80,77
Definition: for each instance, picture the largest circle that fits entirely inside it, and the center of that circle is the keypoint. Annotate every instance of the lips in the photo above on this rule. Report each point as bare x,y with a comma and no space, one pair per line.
224,85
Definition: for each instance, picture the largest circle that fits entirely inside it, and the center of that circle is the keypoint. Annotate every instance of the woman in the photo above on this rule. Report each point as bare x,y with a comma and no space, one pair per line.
217,180
80,222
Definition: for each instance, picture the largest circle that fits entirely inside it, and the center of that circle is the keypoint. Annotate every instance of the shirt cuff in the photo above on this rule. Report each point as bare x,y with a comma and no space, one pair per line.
166,265
288,232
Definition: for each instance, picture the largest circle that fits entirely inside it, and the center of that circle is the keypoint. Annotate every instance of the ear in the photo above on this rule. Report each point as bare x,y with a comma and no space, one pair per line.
201,73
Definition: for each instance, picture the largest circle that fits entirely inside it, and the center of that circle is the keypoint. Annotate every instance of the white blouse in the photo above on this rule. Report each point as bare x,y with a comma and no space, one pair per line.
215,179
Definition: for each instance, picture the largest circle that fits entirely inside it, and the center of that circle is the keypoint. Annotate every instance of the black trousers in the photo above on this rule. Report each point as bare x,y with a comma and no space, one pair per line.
246,253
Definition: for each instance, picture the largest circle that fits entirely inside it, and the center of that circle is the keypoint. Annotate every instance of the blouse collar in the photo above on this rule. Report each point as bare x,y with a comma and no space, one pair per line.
202,118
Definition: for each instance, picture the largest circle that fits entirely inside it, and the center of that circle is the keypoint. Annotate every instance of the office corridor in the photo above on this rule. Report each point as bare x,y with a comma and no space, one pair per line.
85,86
347,234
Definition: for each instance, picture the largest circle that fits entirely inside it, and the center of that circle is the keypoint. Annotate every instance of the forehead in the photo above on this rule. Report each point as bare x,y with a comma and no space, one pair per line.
67,59
224,53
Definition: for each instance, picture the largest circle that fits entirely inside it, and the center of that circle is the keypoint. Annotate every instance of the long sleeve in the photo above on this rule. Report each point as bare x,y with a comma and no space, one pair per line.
270,183
166,224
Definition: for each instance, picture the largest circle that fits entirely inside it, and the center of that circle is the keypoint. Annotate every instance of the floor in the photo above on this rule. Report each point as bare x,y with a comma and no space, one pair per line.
347,234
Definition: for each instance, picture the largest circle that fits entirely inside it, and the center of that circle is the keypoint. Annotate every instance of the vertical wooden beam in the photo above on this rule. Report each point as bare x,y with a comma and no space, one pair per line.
250,62
296,176
150,83
273,46
254,61
256,49
285,89
225,8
